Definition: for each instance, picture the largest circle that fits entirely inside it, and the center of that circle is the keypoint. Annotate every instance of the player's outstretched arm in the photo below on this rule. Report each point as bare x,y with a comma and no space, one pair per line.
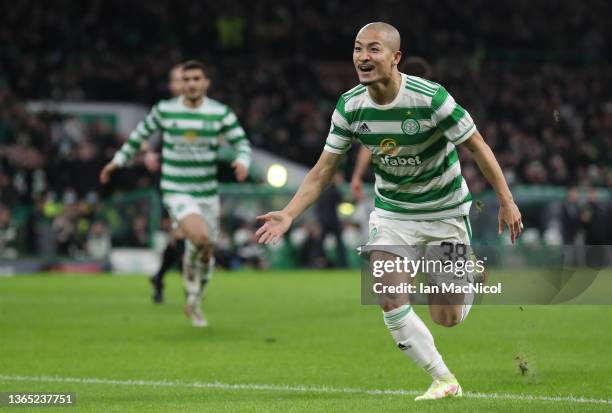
235,135
138,137
364,158
318,178
509,213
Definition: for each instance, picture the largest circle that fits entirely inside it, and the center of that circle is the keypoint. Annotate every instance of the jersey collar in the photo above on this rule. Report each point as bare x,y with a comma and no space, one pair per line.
395,100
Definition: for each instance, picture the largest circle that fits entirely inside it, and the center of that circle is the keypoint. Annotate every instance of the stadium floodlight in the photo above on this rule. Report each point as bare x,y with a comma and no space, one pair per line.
277,175
346,209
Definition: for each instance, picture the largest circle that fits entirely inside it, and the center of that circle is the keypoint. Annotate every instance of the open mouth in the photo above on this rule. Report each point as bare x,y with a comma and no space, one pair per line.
365,68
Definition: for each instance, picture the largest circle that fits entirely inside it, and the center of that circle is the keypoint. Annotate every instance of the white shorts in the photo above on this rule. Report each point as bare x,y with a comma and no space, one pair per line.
181,205
386,231
418,240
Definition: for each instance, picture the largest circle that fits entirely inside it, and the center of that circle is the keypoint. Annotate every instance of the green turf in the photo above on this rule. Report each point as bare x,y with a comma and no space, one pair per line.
285,329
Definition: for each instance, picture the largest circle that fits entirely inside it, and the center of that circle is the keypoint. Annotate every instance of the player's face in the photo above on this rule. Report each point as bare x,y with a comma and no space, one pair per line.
175,83
195,84
373,58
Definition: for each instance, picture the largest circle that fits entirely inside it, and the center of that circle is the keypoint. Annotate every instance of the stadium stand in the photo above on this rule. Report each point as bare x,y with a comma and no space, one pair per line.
541,96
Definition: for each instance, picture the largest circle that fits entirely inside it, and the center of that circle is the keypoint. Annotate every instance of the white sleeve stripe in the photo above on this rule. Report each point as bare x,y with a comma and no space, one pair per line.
344,138
465,135
339,120
229,119
234,133
445,109
334,150
341,146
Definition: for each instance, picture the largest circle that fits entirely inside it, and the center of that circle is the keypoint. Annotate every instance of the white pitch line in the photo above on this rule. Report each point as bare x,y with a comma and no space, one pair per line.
69,300
294,389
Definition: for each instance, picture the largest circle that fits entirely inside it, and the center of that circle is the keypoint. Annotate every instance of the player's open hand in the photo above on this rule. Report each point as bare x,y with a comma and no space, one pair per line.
275,225
107,171
240,170
510,215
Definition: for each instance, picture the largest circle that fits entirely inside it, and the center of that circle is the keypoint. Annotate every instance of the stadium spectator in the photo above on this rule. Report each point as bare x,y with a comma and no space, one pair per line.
312,253
98,244
327,214
139,234
554,116
570,217
594,218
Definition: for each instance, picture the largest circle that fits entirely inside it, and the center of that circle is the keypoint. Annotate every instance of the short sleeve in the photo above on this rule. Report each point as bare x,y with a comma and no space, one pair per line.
454,121
340,137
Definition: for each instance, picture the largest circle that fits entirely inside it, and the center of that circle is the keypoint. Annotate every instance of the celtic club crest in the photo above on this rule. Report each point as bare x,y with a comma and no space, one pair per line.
410,126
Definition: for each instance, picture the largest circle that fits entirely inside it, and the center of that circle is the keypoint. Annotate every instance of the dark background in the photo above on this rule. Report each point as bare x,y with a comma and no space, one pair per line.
535,75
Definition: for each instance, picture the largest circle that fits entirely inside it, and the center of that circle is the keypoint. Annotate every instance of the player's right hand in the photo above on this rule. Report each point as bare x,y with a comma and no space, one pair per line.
357,189
510,215
275,225
107,171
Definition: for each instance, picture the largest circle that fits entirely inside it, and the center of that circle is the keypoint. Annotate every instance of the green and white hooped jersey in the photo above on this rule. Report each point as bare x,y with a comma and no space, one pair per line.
412,140
190,143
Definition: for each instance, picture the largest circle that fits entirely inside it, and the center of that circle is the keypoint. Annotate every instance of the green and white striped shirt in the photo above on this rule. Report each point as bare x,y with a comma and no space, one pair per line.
190,142
413,141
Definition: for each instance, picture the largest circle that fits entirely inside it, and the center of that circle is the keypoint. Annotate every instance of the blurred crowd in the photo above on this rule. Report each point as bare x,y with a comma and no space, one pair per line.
583,219
536,77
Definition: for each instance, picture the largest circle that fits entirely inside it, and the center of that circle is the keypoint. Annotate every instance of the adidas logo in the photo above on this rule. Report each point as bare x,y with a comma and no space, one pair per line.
402,346
364,128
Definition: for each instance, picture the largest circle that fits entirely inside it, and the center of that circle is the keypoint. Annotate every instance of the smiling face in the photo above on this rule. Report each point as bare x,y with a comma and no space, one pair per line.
376,53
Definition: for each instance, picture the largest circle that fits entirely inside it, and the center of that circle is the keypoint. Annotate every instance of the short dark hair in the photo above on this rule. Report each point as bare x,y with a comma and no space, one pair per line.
194,64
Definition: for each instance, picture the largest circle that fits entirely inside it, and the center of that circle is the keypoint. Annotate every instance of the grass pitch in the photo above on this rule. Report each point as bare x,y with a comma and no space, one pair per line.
293,342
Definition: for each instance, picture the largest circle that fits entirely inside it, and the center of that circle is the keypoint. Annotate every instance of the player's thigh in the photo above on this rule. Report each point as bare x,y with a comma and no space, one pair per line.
195,229
187,215
210,210
391,279
390,240
448,239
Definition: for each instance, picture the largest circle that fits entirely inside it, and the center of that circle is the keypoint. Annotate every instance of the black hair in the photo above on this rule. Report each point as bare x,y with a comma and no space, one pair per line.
194,64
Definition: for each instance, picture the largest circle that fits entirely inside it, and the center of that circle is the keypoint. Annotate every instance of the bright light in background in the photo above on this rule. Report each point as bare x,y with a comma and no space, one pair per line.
277,175
346,209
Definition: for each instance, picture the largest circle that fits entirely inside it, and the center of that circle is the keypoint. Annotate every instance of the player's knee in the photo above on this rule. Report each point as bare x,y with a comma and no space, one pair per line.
388,306
200,241
446,318
390,302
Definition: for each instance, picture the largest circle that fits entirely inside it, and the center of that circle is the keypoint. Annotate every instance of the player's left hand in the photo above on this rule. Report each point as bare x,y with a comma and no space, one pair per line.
510,215
240,170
